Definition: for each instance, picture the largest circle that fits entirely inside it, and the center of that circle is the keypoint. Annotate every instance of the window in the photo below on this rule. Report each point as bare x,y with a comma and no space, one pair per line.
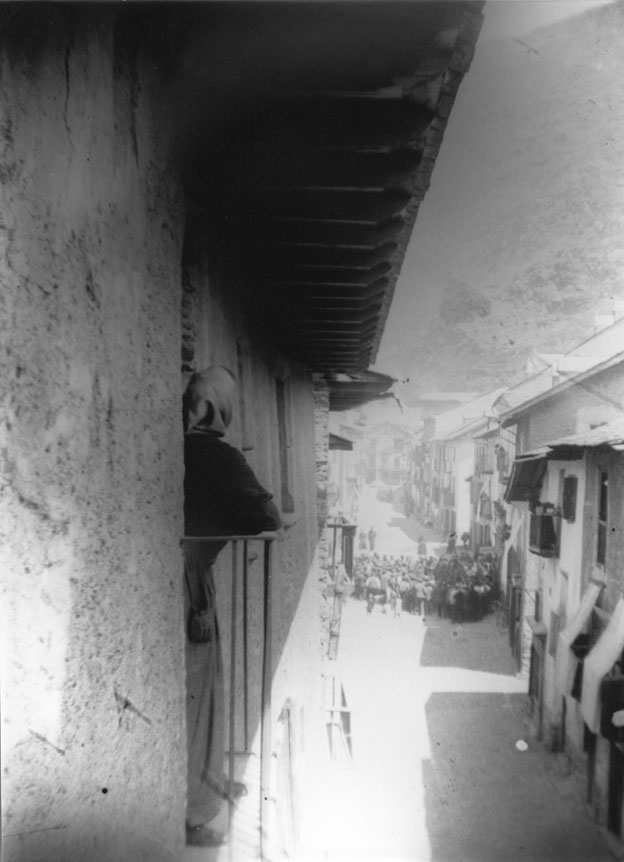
543,539
526,479
603,504
537,613
570,484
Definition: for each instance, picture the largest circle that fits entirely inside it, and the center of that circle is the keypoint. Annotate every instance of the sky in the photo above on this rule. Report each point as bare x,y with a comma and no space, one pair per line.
504,20
508,18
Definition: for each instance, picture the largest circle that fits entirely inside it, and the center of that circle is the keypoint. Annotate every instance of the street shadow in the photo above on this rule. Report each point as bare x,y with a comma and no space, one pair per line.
485,800
479,645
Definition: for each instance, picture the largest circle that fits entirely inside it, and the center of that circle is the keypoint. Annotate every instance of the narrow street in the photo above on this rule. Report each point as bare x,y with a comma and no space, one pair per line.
436,712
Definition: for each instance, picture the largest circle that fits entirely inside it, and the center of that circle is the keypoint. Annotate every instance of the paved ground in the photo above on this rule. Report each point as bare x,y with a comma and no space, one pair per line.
473,646
436,775
437,711
396,533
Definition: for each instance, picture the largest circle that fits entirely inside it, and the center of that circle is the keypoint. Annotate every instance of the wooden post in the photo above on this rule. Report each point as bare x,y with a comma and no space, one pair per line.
246,646
232,716
267,679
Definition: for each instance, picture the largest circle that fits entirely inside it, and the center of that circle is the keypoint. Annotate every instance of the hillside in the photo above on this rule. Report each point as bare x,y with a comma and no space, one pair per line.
522,235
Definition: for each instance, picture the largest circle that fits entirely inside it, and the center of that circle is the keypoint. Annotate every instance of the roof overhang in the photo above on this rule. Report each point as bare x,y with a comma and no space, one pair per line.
469,430
349,391
512,416
309,133
609,435
336,442
526,479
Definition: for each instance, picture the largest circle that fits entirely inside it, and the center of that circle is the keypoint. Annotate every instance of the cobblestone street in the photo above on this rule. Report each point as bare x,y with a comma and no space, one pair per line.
436,712
436,775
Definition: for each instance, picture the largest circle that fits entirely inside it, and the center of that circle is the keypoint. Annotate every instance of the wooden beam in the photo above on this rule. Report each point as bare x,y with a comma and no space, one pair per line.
323,204
334,233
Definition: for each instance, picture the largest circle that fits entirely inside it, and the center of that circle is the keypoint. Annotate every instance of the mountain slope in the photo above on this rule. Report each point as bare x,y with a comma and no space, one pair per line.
523,231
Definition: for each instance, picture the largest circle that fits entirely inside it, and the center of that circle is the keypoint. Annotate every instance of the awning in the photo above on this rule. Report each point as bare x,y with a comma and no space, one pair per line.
341,443
563,661
598,663
610,434
526,479
308,133
350,391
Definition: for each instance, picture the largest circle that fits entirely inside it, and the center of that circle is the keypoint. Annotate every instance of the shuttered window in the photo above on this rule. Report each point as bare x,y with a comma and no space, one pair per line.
570,484
526,479
603,505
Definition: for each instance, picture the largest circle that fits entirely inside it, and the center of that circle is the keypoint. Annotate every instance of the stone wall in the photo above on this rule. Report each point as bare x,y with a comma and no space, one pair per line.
321,422
576,409
93,749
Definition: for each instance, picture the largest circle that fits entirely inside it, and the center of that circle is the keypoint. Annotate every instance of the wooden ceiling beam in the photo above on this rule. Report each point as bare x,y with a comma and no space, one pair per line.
324,204
308,167
303,255
336,233
341,121
318,276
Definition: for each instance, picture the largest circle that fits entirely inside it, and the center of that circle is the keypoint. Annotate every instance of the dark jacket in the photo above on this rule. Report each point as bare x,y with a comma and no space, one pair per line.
222,496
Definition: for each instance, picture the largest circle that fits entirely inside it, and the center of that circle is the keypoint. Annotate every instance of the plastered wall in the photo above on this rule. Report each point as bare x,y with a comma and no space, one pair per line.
575,410
611,463
93,752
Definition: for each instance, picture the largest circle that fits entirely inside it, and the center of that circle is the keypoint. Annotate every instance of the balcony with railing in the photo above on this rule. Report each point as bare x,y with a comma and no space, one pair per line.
250,819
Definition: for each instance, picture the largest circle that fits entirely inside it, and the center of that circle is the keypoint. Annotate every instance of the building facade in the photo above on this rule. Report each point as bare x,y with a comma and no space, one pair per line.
154,223
566,492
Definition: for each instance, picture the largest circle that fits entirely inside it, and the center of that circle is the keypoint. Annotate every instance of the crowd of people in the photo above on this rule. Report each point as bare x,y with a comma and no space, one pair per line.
458,586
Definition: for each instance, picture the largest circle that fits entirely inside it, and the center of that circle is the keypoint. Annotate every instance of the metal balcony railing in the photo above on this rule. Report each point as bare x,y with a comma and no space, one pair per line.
267,540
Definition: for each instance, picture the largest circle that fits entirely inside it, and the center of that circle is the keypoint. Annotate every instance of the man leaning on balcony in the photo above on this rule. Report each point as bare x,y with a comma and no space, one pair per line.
221,497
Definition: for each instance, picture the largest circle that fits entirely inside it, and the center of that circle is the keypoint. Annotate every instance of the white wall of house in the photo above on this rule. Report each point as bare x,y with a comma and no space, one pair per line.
560,582
94,738
93,746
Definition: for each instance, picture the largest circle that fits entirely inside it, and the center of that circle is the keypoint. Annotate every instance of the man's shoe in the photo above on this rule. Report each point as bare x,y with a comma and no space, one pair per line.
203,836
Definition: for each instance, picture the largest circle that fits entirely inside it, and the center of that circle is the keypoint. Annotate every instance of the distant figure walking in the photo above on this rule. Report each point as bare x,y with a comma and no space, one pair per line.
373,588
452,543
372,535
362,540
420,598
395,601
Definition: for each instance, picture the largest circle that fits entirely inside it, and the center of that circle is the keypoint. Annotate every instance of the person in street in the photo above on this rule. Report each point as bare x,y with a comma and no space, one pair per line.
422,547
451,544
221,497
359,584
362,540
373,586
420,598
428,599
395,600
372,536
384,594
